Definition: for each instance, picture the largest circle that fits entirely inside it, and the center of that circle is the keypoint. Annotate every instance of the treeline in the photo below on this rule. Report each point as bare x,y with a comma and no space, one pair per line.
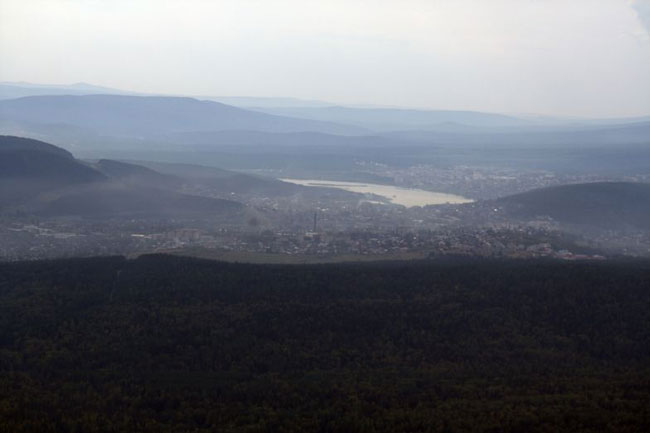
169,344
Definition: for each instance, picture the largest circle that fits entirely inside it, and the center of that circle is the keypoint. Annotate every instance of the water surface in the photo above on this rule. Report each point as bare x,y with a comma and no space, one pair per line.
405,196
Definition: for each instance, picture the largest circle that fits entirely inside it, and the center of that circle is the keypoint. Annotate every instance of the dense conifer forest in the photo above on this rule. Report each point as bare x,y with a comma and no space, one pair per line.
172,344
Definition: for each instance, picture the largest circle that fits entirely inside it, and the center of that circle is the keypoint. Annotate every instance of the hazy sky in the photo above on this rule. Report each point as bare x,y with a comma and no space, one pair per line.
561,57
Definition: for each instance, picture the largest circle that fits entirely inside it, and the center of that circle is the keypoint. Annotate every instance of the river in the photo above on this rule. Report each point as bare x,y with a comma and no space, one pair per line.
405,196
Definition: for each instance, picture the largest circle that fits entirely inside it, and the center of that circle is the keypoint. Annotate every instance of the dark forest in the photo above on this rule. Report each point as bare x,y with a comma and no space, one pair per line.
162,344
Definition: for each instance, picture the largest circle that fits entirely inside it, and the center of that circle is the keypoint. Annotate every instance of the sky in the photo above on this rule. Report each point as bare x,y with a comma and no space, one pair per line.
582,58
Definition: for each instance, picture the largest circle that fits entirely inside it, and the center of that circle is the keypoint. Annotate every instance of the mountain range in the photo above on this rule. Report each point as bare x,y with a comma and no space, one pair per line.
392,119
12,90
369,118
151,116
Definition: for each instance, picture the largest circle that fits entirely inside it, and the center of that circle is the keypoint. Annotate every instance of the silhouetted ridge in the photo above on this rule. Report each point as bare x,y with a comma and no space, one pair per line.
9,143
31,167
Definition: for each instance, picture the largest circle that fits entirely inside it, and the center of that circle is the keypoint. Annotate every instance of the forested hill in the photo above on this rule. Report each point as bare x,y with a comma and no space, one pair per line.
168,344
47,180
612,205
27,159
31,167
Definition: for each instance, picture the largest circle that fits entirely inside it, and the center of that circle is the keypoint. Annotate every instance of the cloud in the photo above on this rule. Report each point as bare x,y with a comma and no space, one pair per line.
642,8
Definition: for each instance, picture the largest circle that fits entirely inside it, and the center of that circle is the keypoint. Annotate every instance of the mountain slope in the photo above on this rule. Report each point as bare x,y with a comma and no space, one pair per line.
226,181
139,116
10,144
136,174
31,167
110,200
600,204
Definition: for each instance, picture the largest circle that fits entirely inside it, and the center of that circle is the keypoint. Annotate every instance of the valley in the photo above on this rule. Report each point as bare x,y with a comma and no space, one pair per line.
99,207
327,216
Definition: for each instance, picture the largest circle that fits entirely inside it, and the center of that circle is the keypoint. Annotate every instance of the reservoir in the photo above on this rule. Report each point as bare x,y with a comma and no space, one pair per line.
405,196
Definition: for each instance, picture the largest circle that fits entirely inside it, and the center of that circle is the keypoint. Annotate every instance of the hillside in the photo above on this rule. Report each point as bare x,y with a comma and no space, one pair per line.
152,116
226,181
9,144
601,204
23,158
169,175
136,174
31,167
163,344
112,200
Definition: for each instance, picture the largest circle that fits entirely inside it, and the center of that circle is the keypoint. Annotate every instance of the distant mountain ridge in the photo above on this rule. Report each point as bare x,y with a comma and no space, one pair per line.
12,90
634,132
152,116
391,119
373,117
252,102
263,139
